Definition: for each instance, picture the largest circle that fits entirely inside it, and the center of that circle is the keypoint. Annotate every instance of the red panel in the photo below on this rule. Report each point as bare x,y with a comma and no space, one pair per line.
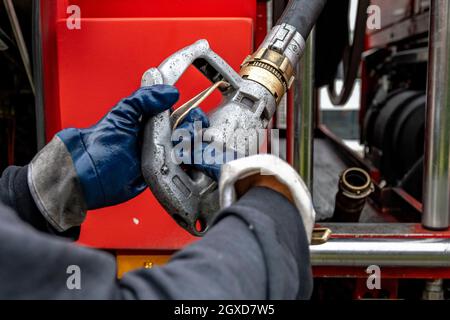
103,62
260,23
168,8
52,10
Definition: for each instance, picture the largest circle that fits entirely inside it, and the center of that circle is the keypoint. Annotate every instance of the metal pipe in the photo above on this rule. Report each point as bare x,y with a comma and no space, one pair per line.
303,126
382,252
20,40
38,75
269,19
436,195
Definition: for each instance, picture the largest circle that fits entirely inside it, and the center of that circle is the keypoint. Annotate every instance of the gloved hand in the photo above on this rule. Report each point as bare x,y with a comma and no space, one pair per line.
269,171
212,170
82,169
107,156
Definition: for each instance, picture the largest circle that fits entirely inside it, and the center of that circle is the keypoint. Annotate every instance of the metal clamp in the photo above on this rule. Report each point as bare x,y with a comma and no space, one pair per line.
270,69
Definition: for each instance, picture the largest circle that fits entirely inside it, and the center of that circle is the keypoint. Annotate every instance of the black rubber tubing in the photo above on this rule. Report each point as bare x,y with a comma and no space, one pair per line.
302,14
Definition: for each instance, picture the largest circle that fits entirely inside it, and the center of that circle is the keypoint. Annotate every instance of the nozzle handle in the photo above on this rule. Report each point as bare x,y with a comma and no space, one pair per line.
191,199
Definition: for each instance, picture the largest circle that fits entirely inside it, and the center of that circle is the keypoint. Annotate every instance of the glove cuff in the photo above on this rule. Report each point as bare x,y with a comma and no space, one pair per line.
55,187
268,165
92,189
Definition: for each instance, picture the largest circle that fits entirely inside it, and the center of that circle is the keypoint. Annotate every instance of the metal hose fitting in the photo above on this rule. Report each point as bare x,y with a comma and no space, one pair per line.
355,186
271,69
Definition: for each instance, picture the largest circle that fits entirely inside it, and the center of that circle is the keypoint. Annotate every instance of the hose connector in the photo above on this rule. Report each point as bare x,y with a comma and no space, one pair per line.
355,186
270,69
273,64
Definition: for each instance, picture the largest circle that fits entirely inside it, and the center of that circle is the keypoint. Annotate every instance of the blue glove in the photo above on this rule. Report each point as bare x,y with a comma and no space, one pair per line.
212,170
82,169
107,156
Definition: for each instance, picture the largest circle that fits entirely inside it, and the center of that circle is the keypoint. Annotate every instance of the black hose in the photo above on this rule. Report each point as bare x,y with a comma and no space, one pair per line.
351,58
302,14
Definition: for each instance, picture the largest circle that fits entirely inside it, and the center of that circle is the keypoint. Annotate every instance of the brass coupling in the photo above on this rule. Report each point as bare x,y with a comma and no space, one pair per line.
355,186
271,69
355,183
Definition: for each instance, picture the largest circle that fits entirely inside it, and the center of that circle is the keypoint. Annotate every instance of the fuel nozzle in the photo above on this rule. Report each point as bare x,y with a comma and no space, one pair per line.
249,100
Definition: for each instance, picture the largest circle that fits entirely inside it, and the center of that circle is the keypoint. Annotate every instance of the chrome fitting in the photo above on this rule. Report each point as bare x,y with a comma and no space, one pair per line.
285,40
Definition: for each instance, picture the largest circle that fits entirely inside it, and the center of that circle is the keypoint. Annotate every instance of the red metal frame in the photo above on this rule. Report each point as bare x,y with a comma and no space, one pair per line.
415,231
386,272
411,231
389,290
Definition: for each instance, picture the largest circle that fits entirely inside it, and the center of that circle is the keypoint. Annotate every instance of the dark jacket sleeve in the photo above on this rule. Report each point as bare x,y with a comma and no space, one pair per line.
257,249
14,193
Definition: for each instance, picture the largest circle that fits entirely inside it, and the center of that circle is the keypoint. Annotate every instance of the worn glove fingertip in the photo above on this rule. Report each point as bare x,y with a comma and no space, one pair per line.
160,97
197,114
